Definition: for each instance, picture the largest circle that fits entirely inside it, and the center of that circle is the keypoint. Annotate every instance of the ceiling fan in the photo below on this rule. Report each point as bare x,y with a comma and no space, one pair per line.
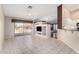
35,19
30,14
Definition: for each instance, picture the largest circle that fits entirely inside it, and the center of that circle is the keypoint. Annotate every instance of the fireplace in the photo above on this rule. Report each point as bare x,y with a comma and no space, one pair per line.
77,26
39,28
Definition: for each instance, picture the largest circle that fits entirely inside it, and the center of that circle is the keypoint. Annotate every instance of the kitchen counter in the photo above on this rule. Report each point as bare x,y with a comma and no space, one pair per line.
72,30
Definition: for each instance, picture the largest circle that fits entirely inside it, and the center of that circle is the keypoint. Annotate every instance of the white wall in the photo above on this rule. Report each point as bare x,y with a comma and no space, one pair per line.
1,27
9,28
69,20
70,38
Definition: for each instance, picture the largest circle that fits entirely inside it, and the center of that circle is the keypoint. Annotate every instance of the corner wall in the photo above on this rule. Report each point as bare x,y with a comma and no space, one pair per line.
9,28
1,27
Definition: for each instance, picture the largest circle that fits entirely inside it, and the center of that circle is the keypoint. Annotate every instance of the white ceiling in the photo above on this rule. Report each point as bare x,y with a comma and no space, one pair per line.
38,10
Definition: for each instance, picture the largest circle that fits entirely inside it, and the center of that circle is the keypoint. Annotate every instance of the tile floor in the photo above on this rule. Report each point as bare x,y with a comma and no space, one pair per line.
35,45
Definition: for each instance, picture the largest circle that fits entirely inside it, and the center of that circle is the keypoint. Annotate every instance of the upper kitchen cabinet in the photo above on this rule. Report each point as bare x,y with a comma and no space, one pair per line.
68,16
75,14
65,12
63,15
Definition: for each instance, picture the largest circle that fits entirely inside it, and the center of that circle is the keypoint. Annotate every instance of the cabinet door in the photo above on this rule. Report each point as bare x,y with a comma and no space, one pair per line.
44,30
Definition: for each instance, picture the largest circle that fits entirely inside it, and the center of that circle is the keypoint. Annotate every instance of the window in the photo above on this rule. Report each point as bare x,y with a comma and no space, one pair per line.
27,27
23,27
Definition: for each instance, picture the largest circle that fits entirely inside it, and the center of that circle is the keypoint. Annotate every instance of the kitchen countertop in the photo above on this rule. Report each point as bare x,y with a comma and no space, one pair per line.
72,30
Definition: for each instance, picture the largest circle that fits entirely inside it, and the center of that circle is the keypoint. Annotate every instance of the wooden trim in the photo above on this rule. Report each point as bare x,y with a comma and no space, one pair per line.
21,21
59,20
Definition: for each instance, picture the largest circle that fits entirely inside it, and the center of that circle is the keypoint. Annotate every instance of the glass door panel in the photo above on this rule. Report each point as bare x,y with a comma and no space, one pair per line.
27,27
18,27
22,28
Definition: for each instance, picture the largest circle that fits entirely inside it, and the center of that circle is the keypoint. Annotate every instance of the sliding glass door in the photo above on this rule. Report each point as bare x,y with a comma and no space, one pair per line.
22,28
18,28
27,27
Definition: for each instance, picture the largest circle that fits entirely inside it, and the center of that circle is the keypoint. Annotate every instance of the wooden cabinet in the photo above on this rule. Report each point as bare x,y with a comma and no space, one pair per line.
59,18
63,15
